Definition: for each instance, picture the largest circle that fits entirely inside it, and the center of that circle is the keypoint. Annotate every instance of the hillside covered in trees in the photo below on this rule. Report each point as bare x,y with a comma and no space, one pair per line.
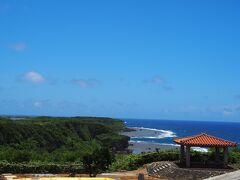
57,139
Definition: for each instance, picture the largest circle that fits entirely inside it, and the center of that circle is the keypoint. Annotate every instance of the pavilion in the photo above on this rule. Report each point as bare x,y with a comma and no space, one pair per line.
203,140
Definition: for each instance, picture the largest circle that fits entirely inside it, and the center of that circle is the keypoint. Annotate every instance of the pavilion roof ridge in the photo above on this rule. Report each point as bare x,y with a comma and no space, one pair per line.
194,137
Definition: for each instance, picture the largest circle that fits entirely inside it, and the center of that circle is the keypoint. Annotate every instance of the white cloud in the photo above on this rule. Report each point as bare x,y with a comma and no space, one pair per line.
231,110
158,80
18,46
37,104
227,113
33,77
227,110
86,83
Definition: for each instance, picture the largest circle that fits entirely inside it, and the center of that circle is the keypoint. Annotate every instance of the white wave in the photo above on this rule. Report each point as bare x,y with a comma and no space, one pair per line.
150,129
154,133
169,144
199,149
132,141
145,142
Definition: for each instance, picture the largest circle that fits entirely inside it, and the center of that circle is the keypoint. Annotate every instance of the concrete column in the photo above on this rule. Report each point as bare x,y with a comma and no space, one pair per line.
225,157
188,156
217,154
182,154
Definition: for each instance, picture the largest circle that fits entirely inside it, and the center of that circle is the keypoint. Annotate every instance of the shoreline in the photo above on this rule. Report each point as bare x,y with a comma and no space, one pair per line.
137,143
137,147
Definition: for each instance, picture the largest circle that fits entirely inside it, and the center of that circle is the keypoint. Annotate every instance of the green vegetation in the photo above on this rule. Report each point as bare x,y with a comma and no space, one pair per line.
97,162
235,158
40,168
134,161
54,144
76,145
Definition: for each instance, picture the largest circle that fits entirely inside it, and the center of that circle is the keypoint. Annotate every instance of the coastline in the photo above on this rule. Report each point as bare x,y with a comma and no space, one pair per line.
144,140
137,147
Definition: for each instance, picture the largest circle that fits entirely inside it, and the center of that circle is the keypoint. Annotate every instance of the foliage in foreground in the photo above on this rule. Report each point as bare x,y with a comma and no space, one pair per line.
235,158
97,161
6,167
134,161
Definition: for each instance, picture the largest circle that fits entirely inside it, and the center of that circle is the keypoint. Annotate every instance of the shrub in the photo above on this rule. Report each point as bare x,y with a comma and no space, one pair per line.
97,161
39,168
132,162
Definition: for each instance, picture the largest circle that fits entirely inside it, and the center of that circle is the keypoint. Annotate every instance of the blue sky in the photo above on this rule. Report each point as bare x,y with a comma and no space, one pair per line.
131,59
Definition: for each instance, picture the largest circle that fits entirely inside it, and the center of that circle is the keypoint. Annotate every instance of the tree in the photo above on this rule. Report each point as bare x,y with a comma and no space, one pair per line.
97,161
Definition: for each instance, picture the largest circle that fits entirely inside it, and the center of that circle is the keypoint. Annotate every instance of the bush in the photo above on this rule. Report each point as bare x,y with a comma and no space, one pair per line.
39,168
234,157
132,162
97,161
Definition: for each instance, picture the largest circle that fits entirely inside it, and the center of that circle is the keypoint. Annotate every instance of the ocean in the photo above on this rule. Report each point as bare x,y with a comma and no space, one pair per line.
163,131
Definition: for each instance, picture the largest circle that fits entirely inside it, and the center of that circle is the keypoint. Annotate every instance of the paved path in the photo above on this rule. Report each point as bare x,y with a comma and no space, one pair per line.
228,176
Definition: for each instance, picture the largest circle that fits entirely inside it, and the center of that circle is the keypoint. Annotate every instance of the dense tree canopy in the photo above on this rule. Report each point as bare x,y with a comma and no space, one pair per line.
58,139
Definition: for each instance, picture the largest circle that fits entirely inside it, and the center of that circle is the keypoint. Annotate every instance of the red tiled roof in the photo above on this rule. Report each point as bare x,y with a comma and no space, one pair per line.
205,140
